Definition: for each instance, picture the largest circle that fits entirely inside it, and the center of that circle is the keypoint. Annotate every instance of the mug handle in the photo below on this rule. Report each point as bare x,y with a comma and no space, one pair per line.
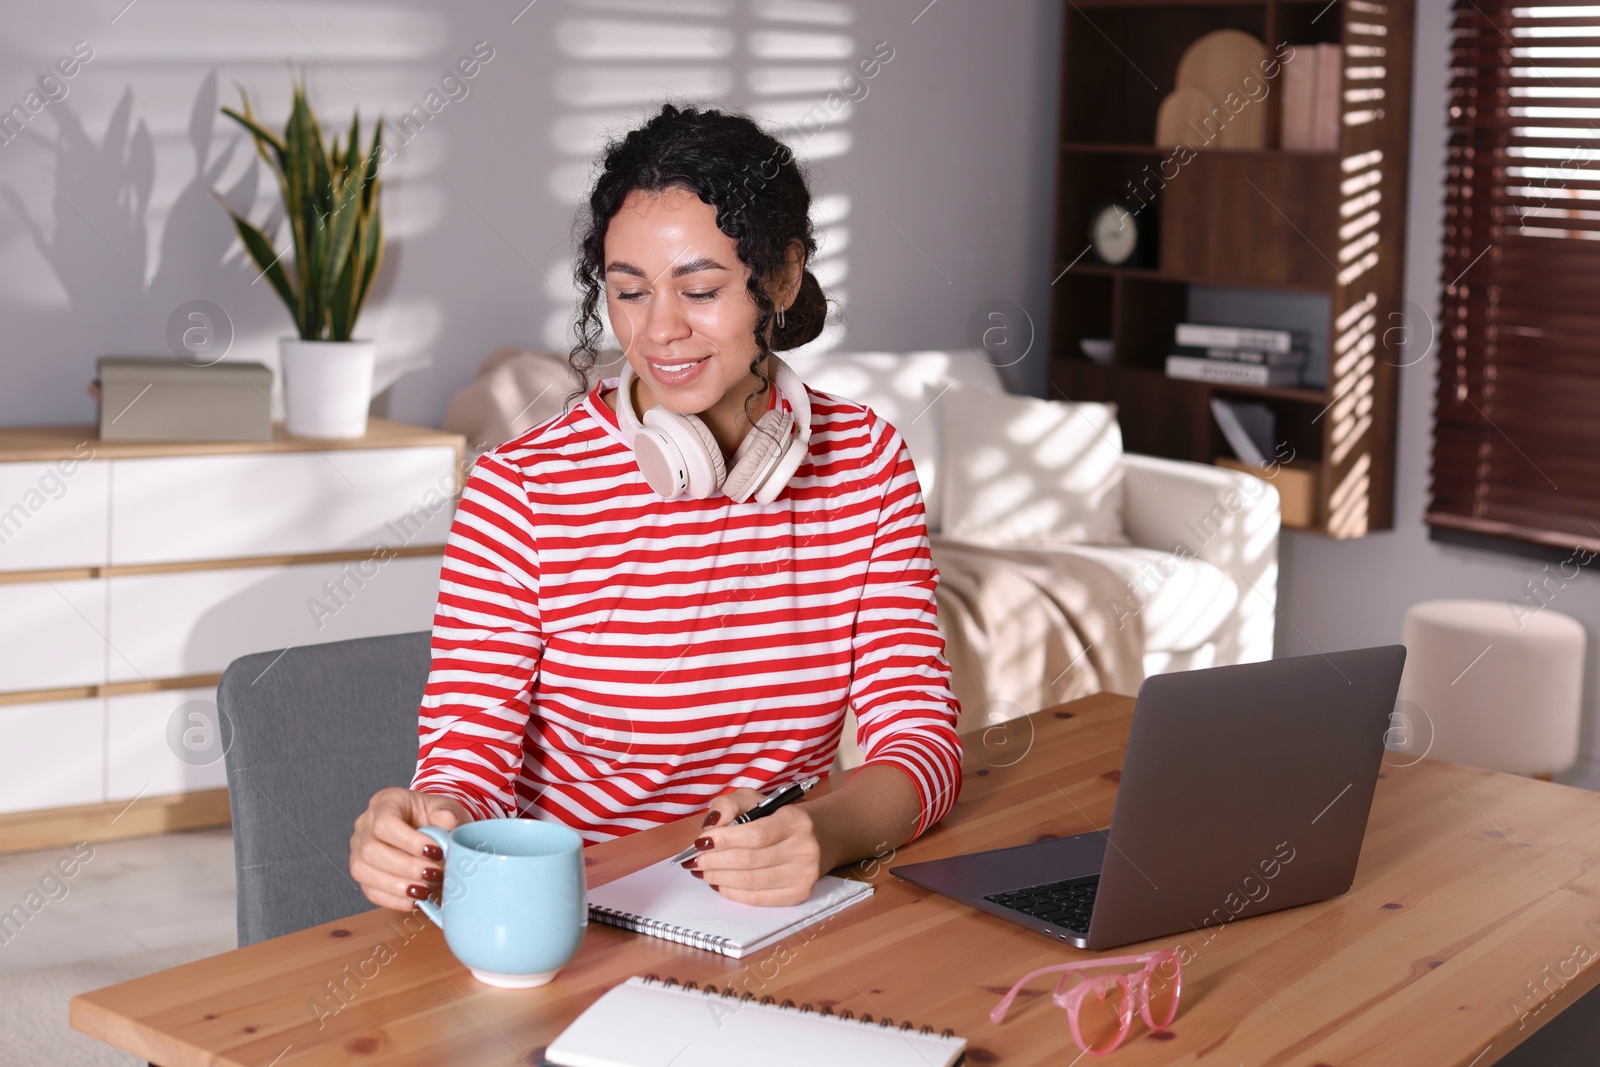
428,907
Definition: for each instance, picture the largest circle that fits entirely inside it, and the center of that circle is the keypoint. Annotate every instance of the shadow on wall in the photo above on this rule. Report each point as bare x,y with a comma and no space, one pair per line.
96,241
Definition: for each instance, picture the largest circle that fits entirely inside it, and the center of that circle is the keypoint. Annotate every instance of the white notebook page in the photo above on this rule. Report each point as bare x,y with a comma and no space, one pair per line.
676,905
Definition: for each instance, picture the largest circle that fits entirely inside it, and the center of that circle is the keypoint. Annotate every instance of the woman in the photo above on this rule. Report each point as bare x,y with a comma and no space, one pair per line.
613,659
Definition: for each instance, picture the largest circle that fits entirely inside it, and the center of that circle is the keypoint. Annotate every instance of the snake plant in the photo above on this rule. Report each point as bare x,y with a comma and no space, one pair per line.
330,200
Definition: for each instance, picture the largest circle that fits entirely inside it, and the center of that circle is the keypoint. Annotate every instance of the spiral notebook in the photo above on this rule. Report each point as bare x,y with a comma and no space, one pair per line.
664,900
645,1022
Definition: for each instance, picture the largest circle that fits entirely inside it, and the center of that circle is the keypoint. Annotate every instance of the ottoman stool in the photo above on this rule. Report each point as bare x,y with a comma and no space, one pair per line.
1501,689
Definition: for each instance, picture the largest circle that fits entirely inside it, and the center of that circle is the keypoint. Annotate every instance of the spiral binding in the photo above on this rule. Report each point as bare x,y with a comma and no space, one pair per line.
729,992
656,928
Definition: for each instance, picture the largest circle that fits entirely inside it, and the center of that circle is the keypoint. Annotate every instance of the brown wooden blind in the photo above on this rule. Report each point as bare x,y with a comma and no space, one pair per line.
1517,415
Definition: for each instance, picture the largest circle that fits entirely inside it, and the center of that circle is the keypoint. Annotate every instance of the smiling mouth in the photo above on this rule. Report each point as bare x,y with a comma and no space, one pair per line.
672,368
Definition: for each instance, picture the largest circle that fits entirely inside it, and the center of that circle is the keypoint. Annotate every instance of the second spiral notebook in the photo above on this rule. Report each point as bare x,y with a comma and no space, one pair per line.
645,1022
665,901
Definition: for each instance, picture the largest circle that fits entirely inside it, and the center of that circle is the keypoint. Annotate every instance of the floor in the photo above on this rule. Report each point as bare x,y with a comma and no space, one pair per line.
129,908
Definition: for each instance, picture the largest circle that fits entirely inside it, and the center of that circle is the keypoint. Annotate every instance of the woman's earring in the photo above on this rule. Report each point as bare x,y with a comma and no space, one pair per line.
780,318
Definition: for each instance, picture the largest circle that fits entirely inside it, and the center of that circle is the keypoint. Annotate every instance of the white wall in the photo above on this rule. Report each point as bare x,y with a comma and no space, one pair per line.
108,228
107,225
1342,594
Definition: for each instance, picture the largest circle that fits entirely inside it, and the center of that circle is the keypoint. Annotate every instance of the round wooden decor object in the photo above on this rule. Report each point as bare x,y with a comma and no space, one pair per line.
1181,119
1217,65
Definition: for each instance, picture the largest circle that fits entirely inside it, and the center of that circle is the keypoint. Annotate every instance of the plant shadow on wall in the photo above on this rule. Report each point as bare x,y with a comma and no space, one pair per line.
121,299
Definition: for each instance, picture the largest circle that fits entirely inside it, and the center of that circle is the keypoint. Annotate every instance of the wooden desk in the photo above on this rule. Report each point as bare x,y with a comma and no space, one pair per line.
1477,897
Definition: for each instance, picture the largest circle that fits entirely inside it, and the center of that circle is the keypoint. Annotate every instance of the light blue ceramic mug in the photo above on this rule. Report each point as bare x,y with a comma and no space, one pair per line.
514,907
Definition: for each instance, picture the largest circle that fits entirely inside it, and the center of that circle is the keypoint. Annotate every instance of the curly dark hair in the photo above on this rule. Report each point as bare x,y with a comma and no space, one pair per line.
762,202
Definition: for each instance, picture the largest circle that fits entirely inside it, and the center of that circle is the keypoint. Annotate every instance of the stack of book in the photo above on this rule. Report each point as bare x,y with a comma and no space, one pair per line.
1236,355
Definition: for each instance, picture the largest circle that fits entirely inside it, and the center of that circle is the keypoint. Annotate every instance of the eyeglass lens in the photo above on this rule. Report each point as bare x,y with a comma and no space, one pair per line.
1103,1014
1162,984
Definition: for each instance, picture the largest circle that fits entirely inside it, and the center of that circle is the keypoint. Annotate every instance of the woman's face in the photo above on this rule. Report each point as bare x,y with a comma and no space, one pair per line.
677,299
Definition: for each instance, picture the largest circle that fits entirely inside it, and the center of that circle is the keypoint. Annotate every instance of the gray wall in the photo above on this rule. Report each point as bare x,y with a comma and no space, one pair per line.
937,173
940,177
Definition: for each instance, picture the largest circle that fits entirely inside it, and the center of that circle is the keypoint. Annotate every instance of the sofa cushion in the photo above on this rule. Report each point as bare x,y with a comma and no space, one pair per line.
515,390
1018,468
901,387
1184,602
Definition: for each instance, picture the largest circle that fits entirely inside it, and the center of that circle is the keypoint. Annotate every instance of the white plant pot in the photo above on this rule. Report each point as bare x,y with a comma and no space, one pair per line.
327,386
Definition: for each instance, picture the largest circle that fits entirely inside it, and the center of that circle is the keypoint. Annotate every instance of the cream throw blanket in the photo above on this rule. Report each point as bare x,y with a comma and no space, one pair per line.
1025,628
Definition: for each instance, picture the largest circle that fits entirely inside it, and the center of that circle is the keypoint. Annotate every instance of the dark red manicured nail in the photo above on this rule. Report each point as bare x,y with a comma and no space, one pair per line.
712,819
432,874
688,865
433,852
417,892
704,844
699,874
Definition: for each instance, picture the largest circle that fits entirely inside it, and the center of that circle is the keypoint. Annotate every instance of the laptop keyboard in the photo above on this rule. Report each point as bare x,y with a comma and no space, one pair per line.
1065,904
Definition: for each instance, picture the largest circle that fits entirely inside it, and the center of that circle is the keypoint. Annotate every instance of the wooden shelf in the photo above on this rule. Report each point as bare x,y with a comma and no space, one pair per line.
52,443
1130,149
1114,149
1263,230
1294,394
1161,3
1085,266
1297,394
1314,5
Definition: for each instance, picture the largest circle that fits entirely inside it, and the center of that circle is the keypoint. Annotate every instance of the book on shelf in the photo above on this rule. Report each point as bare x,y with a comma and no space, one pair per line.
1243,355
1197,335
1250,428
1325,105
1309,116
1297,107
1225,372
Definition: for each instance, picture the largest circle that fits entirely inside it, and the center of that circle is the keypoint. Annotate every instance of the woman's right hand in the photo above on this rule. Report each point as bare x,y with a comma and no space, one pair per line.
393,862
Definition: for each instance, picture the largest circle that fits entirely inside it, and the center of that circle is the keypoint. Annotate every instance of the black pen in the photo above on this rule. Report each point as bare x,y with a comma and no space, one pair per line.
769,804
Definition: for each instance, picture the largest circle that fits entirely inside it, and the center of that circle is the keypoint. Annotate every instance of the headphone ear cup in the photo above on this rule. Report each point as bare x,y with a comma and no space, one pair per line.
700,455
758,454
661,462
787,465
794,390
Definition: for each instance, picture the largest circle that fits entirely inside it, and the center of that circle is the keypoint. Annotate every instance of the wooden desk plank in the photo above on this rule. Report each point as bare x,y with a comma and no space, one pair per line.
1476,908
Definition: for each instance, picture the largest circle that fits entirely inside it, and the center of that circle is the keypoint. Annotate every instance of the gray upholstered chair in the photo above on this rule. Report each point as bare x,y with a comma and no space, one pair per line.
311,733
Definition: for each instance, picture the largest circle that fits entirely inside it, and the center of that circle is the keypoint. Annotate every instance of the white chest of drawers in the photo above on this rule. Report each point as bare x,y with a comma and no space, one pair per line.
132,573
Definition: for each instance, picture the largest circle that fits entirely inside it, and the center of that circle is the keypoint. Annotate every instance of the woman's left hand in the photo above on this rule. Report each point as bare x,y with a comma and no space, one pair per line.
773,861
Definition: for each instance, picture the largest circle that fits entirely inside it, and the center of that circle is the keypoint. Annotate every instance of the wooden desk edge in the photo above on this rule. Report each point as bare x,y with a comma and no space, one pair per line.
132,1036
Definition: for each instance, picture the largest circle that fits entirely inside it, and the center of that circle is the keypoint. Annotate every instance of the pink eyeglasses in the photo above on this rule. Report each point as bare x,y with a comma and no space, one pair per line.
1100,1008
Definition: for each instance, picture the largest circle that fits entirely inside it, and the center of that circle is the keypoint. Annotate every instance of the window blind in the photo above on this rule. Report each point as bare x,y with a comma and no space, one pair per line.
1517,412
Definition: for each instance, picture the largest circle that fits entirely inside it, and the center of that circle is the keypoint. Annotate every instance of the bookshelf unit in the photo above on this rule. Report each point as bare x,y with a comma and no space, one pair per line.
1300,229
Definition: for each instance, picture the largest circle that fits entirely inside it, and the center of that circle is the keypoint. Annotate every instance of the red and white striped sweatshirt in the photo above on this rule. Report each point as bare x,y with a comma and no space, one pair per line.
611,660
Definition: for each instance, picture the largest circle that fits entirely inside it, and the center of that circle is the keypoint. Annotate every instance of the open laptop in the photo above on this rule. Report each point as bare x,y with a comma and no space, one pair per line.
1245,789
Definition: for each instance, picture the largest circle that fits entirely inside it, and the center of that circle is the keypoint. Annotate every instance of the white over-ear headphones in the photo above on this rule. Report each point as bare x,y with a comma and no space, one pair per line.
678,456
